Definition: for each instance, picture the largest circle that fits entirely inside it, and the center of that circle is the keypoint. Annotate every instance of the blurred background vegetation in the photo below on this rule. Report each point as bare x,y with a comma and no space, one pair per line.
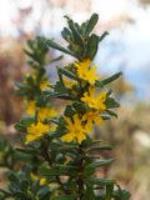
127,49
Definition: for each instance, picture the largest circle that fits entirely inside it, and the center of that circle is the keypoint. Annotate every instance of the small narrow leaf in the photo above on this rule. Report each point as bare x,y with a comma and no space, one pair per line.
66,34
56,59
69,111
90,168
76,35
58,170
101,162
108,80
67,73
111,103
99,148
110,112
92,46
109,191
54,45
103,36
91,24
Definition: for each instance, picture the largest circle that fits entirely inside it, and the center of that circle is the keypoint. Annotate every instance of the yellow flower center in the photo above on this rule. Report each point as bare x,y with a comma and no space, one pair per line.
94,101
42,112
86,71
77,129
35,131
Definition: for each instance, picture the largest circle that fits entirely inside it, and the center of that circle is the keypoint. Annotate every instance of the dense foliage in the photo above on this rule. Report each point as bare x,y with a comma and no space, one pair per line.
60,159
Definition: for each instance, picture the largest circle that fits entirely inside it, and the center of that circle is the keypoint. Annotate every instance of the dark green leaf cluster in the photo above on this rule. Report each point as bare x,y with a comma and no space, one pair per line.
22,187
82,43
80,170
36,52
6,154
30,86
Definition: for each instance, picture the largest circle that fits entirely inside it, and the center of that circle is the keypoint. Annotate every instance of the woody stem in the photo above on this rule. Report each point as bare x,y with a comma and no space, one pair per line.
80,181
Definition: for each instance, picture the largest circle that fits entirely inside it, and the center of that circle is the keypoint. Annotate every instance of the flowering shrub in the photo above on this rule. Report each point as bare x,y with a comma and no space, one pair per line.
60,158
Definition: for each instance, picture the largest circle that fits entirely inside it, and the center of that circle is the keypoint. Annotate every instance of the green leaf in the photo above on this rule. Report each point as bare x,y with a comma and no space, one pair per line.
3,143
28,53
56,59
89,193
58,170
67,73
90,168
24,123
58,95
99,181
111,103
92,46
4,193
22,156
93,143
59,88
103,36
54,45
63,147
76,35
91,24
79,107
110,112
121,195
44,193
66,34
108,80
109,191
69,112
99,148
101,162
27,150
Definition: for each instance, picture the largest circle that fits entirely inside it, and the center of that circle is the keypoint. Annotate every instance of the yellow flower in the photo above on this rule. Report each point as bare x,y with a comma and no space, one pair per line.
93,117
76,130
35,131
69,83
44,84
45,112
42,180
95,101
31,108
87,72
